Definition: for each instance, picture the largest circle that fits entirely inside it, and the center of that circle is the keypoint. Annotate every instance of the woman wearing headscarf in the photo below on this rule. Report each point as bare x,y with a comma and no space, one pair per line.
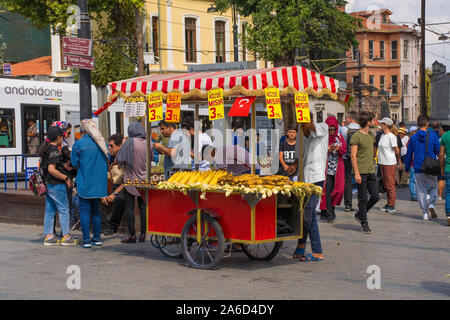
90,158
335,172
132,156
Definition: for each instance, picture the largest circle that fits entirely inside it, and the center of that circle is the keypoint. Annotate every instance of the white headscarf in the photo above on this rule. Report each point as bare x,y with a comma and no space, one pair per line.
90,127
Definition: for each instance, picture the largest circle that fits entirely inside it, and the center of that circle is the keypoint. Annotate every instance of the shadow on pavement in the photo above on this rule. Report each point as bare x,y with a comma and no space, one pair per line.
437,287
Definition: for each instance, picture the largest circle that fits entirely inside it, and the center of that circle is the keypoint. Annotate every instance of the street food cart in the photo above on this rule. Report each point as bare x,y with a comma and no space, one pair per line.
198,224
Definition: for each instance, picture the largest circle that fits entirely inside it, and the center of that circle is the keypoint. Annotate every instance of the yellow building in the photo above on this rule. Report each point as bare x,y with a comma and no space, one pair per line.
182,33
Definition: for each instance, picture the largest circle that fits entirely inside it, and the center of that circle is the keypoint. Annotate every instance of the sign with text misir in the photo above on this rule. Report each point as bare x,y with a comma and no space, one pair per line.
173,104
155,107
273,103
215,104
302,107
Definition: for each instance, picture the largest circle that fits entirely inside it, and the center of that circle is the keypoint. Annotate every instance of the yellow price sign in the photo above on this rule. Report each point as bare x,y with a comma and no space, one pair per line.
155,107
215,104
302,107
273,103
173,107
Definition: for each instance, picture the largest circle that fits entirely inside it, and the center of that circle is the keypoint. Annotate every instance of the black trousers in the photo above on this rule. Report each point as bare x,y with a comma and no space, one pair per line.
329,187
348,195
117,210
129,213
368,187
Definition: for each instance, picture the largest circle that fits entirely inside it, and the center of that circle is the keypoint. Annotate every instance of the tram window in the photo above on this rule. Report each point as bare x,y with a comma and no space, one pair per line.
7,128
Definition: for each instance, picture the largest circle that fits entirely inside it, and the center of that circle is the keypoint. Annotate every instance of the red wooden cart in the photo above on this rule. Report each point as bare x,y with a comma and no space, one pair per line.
199,229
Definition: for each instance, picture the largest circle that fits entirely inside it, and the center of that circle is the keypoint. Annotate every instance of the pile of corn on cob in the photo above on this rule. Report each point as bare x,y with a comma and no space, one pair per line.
220,180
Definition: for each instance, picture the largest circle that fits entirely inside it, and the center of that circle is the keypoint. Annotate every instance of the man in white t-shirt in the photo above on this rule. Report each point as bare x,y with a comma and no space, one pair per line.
388,159
315,141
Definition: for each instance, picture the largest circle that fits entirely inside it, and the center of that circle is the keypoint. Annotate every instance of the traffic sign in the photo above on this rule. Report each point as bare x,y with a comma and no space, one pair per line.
78,46
79,62
7,69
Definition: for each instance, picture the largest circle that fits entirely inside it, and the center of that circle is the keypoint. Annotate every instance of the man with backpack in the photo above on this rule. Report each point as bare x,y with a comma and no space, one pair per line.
352,127
424,144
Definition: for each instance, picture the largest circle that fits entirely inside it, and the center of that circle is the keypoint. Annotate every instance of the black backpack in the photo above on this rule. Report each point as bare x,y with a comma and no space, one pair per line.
430,166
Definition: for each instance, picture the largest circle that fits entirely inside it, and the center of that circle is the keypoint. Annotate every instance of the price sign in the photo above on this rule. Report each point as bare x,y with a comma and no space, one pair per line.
141,106
173,107
130,107
155,107
302,107
273,103
215,104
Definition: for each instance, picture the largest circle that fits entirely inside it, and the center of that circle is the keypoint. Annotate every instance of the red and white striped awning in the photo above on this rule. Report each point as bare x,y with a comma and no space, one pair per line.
251,82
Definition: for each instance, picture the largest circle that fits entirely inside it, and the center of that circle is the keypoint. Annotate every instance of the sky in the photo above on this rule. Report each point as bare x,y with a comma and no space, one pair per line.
407,12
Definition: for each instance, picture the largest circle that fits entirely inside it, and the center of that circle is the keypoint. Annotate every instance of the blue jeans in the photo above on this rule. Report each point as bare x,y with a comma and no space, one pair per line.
447,194
310,225
412,184
56,200
90,208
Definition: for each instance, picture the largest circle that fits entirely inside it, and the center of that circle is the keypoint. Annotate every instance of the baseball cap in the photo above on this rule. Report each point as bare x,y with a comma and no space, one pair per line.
413,128
404,131
53,133
387,121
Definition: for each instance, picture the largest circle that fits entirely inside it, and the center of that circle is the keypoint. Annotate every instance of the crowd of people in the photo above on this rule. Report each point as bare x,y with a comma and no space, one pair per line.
85,182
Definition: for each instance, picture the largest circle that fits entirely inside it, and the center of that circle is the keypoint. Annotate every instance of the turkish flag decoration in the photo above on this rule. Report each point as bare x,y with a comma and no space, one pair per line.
241,106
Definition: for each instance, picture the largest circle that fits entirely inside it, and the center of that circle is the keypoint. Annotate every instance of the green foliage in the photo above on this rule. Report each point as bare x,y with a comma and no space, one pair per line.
281,27
112,18
2,50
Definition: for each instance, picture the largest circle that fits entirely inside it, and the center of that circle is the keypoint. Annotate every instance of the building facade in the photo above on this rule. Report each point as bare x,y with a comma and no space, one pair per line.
182,33
389,64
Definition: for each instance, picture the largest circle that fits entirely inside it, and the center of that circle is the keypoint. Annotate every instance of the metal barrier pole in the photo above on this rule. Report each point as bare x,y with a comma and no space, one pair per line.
26,170
15,169
6,187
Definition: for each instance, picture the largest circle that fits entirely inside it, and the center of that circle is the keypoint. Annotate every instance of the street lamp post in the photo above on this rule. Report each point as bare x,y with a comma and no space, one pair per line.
85,75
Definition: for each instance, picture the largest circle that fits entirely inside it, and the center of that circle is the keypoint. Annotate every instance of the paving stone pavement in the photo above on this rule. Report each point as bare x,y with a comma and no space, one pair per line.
413,257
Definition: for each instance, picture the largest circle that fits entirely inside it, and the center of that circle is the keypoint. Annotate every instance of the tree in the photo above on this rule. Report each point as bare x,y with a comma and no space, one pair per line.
114,19
282,30
2,50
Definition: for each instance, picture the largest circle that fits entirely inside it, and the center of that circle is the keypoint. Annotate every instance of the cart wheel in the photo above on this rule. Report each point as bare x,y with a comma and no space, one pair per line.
169,246
262,251
209,252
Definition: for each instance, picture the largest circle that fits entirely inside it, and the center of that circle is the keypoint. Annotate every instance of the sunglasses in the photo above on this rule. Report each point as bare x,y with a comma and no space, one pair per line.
111,146
332,129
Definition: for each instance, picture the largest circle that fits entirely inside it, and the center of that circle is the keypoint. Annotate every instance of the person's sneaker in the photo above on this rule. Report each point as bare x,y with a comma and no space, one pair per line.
365,229
425,217
348,208
86,245
129,239
448,221
413,199
439,198
142,238
384,208
432,212
70,241
96,242
390,209
52,241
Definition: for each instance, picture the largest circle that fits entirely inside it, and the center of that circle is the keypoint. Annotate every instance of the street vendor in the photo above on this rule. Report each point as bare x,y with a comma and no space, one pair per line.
235,159
177,152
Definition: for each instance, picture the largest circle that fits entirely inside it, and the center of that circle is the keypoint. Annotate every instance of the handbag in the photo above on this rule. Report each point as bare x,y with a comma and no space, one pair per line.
37,182
430,166
116,174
